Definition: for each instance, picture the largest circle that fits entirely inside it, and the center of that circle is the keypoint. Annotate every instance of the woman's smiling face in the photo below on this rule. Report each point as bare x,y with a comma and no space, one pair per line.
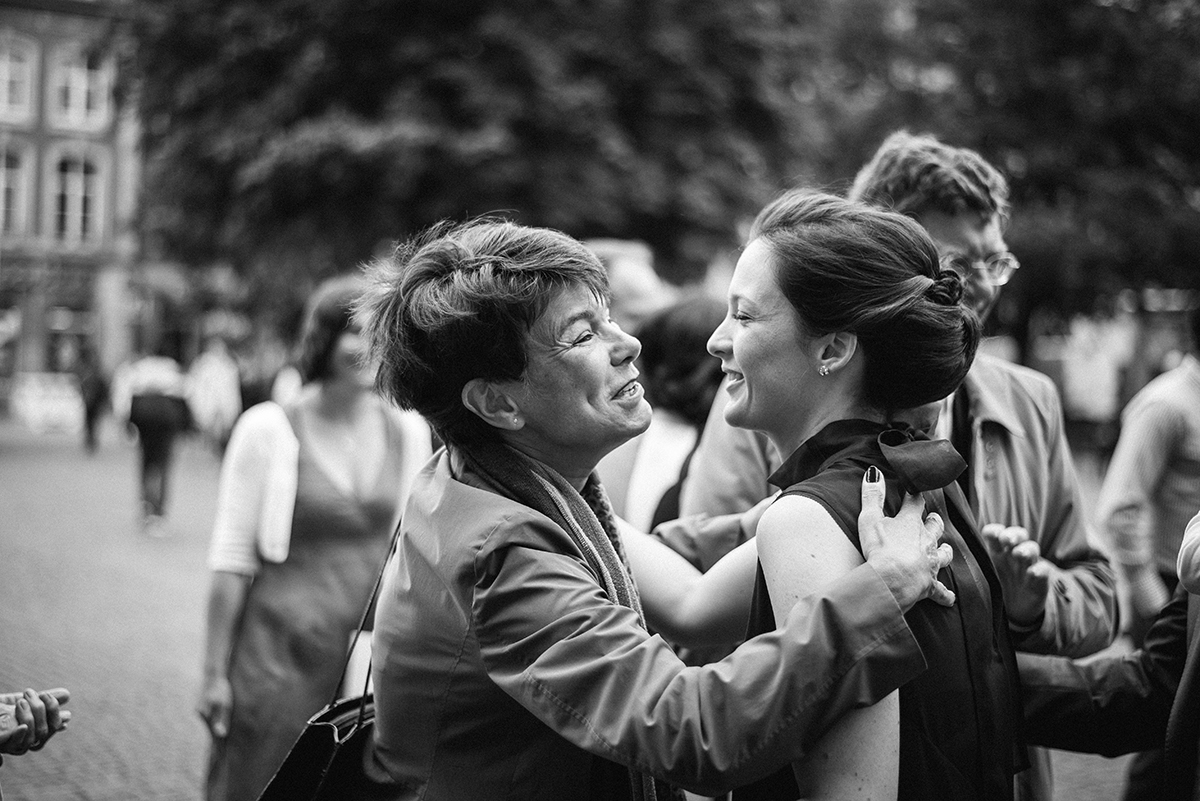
761,347
579,397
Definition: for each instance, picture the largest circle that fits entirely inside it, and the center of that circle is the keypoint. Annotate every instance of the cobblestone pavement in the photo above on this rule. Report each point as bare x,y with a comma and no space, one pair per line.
89,603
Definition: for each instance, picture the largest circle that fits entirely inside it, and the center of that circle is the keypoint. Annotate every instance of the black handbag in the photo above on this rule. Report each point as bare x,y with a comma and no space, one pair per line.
326,762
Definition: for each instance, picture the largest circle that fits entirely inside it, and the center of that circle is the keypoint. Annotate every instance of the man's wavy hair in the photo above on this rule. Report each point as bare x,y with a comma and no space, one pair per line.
914,174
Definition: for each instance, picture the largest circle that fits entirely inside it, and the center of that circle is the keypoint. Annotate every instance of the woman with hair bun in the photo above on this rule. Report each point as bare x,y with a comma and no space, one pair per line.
840,317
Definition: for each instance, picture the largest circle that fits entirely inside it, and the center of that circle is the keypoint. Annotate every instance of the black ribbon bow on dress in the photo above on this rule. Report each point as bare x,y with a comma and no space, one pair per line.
923,464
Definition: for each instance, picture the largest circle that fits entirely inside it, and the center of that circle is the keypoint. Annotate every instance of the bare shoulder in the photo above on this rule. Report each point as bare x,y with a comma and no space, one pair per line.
799,533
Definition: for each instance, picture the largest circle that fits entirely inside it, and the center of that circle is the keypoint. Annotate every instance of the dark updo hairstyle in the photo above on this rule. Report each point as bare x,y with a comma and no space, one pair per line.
328,313
677,370
845,266
456,303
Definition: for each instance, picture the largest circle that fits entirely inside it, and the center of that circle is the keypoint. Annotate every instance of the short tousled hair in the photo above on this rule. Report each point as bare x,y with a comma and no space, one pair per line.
914,174
456,303
846,266
328,313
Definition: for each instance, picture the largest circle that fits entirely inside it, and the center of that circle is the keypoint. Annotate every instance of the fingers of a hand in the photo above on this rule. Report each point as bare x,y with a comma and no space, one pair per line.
17,741
914,505
940,594
220,721
60,694
935,527
943,556
1026,554
873,493
53,713
41,729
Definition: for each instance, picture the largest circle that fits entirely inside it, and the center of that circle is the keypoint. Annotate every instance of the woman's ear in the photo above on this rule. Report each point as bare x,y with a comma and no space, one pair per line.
835,350
494,405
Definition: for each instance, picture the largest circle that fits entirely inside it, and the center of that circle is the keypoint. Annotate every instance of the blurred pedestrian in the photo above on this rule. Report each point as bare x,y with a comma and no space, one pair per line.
309,495
1151,490
642,477
214,392
93,390
149,395
1006,420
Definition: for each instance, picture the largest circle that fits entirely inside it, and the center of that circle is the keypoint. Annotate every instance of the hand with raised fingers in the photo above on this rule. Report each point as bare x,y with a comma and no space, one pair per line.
904,549
1024,575
29,719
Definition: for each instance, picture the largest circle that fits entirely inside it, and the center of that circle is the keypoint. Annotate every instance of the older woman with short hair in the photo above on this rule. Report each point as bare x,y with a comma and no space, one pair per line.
511,655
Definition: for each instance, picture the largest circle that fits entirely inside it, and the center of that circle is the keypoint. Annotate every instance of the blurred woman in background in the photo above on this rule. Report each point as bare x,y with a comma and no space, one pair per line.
309,496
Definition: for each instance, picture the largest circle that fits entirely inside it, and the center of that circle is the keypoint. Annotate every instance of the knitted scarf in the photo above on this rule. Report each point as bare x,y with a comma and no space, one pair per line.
588,518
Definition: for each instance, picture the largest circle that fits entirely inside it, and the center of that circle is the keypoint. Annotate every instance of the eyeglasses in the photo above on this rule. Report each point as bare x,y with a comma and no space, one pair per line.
996,269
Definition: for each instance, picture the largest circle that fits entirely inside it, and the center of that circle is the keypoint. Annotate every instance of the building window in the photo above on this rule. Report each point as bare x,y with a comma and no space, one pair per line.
81,89
76,200
14,190
18,66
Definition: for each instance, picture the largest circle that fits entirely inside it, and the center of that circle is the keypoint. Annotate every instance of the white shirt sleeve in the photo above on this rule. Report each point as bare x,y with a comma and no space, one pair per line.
1188,563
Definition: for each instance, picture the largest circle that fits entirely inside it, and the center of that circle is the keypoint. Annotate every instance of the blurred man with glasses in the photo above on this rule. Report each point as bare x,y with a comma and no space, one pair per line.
1006,420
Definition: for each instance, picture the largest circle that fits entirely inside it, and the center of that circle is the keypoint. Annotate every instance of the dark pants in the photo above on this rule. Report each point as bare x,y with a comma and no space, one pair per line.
1144,778
157,419
156,445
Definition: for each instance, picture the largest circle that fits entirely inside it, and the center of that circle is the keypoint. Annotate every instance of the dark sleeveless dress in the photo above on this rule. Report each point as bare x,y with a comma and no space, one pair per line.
959,719
298,619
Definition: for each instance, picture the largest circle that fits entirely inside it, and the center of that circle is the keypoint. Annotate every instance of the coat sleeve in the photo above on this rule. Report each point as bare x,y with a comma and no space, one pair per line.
1109,705
1081,611
551,639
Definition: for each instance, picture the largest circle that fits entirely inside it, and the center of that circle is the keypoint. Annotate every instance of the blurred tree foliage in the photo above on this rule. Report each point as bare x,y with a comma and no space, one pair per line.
295,138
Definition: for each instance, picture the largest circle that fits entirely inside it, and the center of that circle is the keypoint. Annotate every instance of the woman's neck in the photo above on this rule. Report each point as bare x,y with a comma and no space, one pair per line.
787,441
574,471
339,400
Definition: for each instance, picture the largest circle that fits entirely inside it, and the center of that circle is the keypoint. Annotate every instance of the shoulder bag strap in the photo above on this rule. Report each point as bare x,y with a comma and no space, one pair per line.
362,625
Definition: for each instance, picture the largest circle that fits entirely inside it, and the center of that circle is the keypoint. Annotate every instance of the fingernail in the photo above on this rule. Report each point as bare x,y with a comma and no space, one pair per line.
873,475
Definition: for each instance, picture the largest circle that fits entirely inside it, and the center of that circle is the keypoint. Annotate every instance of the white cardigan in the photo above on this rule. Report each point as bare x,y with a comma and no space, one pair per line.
257,490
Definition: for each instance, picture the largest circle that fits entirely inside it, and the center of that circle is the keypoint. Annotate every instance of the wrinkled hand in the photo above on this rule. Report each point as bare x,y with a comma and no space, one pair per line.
216,706
29,719
904,549
1024,574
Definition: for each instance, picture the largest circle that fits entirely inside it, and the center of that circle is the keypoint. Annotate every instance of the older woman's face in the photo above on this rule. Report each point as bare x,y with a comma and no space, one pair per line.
579,397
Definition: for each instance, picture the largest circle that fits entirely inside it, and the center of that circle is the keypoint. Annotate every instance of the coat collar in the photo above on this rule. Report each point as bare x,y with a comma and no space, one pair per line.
988,404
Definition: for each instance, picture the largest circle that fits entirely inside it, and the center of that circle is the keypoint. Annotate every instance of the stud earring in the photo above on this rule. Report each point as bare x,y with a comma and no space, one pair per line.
516,419
823,369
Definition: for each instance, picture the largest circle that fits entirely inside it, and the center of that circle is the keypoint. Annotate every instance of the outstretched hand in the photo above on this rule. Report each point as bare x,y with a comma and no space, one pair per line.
1024,574
29,719
904,549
